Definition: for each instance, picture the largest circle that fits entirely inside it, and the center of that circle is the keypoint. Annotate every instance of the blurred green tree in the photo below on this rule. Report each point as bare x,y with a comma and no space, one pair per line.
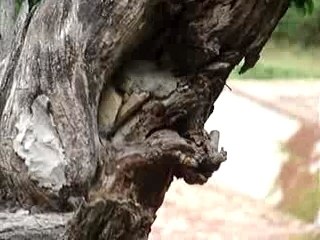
299,26
31,4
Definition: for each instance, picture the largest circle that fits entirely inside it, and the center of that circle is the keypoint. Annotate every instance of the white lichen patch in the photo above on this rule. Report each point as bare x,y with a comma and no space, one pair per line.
37,142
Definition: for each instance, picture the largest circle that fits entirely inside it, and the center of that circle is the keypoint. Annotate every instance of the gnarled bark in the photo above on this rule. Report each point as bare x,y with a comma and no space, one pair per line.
102,103
21,225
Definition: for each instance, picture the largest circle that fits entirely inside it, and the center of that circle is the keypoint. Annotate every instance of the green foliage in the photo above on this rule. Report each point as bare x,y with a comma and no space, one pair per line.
31,4
18,5
284,62
294,51
306,236
34,2
306,6
263,71
300,27
306,205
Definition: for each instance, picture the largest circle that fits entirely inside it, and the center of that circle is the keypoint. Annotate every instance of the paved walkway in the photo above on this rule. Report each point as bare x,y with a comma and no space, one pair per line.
215,213
254,120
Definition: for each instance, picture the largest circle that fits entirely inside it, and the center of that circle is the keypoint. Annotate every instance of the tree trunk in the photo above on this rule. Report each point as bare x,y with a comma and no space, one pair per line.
103,103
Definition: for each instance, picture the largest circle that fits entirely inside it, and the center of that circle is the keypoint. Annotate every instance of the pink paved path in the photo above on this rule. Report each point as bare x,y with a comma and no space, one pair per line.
212,212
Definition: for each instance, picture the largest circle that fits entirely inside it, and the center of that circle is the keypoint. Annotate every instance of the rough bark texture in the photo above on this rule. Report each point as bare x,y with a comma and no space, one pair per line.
7,21
23,226
102,103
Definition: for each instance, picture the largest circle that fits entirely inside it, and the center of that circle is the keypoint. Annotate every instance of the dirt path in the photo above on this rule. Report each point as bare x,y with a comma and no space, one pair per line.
298,179
252,126
212,213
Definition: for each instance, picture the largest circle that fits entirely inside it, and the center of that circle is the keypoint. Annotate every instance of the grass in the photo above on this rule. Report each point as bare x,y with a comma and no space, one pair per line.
300,190
307,236
284,61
